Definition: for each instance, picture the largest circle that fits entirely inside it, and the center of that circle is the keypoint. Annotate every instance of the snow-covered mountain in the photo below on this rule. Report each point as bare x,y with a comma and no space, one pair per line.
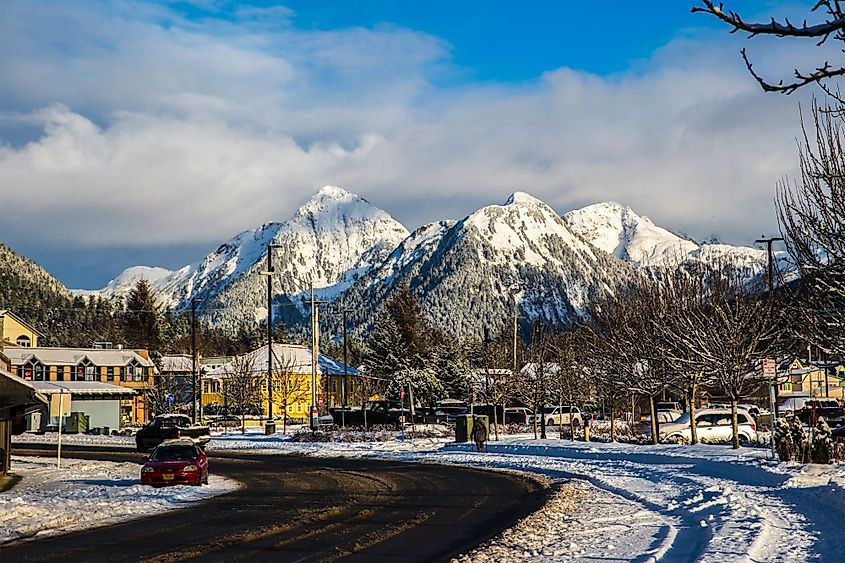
467,272
619,231
119,287
331,240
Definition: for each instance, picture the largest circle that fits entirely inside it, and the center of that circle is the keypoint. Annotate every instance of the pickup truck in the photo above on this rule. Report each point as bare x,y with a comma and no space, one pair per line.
170,426
387,413
814,409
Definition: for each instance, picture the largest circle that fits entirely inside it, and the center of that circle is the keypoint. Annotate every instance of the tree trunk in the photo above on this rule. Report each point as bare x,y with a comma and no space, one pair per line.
734,425
243,423
571,422
612,423
652,403
364,412
693,431
285,420
495,422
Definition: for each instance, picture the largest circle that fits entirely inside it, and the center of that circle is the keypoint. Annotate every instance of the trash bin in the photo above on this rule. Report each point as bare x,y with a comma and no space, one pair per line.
76,423
464,426
270,427
106,430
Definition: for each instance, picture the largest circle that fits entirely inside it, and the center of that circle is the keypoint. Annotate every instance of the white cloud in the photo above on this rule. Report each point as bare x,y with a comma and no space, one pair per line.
158,130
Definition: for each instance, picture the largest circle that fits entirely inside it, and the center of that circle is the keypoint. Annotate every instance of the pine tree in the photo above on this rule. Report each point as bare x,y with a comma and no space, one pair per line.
143,320
452,370
822,450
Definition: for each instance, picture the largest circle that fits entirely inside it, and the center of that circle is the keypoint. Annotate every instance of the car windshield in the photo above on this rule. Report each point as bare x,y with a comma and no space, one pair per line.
683,419
173,453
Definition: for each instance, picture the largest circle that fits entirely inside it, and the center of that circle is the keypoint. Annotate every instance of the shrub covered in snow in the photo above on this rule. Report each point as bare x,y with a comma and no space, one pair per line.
822,450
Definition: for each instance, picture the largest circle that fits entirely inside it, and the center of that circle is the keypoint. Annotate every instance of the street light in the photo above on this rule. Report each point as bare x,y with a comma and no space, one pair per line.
269,426
194,398
768,242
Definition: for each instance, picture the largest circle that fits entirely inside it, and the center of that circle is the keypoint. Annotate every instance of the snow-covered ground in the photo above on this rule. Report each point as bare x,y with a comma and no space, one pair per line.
630,502
84,494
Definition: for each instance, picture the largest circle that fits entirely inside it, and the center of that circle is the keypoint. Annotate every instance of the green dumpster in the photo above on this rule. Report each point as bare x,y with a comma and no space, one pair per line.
465,424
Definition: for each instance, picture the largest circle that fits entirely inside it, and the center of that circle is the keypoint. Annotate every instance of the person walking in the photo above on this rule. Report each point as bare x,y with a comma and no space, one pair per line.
479,433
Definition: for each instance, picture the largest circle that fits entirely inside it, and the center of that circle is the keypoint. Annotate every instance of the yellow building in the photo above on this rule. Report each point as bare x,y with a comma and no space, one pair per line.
16,332
813,379
291,380
126,368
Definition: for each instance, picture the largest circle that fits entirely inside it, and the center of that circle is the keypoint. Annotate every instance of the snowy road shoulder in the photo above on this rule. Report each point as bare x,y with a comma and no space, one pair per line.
85,494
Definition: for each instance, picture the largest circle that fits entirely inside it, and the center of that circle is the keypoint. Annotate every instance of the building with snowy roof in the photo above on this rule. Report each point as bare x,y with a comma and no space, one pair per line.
131,369
291,382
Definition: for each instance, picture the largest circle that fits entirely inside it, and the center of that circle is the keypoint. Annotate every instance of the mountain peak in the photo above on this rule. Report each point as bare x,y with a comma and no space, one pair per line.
522,198
333,192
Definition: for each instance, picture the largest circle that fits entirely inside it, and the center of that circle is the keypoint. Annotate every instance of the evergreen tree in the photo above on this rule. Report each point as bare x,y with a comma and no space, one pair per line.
452,371
822,450
143,320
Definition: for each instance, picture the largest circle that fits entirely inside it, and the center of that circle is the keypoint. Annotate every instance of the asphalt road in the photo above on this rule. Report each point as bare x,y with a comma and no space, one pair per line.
294,508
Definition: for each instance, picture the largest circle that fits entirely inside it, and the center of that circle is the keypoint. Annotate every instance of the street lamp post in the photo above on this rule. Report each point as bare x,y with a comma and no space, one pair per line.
345,374
194,396
768,242
269,425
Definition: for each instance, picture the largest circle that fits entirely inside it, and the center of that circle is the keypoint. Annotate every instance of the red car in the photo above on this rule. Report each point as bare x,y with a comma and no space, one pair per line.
175,462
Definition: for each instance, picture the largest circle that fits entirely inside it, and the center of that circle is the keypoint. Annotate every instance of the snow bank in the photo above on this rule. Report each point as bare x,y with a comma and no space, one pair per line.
84,494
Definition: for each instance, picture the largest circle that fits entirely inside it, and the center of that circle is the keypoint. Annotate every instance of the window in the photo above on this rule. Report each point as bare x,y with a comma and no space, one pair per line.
39,371
89,373
80,372
24,341
110,373
60,373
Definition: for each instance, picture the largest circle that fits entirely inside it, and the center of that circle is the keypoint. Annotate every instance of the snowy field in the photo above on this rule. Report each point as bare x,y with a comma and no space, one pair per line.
84,494
626,502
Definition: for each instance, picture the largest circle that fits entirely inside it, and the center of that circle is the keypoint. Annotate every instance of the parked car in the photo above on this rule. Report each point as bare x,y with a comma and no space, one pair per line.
555,416
175,462
667,411
447,409
814,409
378,412
170,426
517,415
711,425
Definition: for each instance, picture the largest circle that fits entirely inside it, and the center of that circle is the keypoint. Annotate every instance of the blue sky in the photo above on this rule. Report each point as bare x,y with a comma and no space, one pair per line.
142,132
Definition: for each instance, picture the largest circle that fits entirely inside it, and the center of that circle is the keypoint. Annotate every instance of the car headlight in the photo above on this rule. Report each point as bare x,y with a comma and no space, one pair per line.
189,468
147,469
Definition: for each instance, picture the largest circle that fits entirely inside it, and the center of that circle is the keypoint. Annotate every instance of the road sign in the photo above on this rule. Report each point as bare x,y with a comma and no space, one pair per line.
60,404
769,370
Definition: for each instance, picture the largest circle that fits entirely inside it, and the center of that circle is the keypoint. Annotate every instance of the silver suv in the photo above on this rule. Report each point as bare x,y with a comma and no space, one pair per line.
555,416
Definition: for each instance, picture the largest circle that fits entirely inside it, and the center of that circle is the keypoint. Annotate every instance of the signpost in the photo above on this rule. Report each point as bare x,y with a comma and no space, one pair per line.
60,407
770,374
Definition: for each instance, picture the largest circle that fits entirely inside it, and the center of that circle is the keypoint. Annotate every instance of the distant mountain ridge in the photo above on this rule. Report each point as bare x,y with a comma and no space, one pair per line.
464,271
519,256
619,231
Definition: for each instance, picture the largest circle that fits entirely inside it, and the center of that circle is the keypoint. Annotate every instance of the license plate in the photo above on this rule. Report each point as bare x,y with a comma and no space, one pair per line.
167,476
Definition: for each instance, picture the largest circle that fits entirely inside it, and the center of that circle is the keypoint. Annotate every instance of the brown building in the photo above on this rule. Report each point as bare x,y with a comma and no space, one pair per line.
126,368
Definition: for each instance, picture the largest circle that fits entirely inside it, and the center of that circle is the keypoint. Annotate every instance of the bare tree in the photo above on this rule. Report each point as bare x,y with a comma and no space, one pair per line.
571,381
155,397
832,27
685,293
608,373
291,384
243,387
811,214
624,322
494,384
738,331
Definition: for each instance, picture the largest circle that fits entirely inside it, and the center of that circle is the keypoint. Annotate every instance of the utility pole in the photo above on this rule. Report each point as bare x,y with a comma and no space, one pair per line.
315,353
768,241
269,426
194,396
345,373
